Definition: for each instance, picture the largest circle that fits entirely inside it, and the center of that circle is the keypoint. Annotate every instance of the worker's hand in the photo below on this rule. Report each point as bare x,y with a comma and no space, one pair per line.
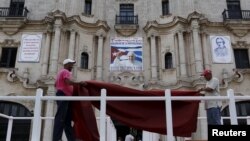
201,91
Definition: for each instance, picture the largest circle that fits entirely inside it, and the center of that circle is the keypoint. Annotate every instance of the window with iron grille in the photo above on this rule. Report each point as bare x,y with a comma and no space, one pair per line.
21,128
234,9
168,61
16,8
242,109
241,58
8,58
84,60
88,7
165,7
127,14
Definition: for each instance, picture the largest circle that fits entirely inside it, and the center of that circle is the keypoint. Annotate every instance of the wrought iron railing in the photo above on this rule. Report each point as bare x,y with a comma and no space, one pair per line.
126,19
237,15
13,12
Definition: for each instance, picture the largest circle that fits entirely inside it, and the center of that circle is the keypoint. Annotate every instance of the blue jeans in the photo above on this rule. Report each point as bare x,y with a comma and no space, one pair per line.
63,120
214,116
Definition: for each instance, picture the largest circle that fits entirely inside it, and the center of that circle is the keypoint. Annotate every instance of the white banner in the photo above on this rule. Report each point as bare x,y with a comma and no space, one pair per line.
126,54
30,48
221,49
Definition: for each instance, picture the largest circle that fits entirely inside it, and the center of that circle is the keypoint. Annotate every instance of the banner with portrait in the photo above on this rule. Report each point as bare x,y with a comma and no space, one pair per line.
221,49
126,54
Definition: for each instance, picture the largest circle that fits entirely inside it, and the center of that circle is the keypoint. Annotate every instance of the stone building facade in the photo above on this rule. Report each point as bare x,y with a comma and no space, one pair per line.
178,38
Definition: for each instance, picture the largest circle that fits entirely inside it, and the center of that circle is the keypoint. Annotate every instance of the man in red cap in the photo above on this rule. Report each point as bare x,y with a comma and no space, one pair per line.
213,107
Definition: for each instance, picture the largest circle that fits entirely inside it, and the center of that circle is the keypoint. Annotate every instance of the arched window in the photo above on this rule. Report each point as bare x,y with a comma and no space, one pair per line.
168,61
21,128
84,60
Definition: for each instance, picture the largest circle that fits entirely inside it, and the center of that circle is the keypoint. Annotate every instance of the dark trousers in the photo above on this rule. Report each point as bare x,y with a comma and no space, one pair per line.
214,116
62,120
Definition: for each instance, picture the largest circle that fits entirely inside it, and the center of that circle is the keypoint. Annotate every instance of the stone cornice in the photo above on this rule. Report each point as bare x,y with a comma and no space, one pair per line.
57,14
195,15
238,28
157,26
10,43
97,25
12,26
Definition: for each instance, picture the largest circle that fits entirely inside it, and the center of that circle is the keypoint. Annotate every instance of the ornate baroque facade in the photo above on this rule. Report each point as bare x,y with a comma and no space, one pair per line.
177,44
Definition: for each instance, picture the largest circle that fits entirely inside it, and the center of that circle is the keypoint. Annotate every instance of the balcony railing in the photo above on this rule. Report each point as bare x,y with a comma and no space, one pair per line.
38,98
236,15
126,19
13,12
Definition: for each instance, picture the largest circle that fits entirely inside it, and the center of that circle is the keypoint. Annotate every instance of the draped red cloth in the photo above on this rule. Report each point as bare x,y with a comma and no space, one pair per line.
144,115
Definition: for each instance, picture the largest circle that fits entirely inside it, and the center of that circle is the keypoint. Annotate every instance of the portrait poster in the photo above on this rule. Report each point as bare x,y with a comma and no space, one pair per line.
30,48
126,54
221,49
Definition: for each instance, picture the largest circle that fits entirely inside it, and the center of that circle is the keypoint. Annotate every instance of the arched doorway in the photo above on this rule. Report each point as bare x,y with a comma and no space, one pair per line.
21,128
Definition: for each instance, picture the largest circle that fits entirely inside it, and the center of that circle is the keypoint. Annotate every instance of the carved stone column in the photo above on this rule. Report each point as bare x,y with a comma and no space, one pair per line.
153,58
72,44
46,54
49,110
197,46
99,57
55,50
206,51
182,54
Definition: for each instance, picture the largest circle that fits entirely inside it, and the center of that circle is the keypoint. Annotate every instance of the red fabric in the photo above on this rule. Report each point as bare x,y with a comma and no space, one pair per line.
84,118
144,115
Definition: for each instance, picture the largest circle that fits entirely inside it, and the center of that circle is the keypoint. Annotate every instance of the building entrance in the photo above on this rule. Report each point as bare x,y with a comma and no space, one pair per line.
21,128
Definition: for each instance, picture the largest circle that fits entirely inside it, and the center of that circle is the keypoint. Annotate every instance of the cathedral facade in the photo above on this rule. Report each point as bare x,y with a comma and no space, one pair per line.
171,43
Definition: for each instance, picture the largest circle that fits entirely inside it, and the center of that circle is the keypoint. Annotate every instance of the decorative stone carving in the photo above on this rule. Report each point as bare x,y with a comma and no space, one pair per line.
236,77
238,28
240,44
12,26
195,15
13,76
127,78
10,43
126,30
84,48
174,85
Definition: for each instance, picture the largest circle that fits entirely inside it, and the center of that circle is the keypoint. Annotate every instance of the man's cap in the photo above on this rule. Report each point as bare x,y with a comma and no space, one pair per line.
66,61
206,72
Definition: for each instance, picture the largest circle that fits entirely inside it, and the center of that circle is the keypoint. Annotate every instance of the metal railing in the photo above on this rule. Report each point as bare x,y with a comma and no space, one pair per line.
13,12
36,125
126,19
236,15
